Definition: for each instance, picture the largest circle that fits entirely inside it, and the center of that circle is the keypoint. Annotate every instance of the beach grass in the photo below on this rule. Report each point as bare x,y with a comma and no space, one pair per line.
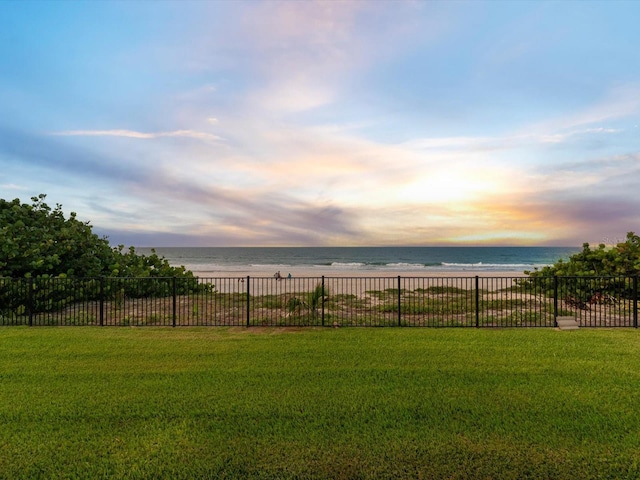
319,403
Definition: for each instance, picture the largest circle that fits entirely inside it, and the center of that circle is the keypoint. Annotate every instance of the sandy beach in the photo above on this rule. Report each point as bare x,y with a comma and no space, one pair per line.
316,272
356,282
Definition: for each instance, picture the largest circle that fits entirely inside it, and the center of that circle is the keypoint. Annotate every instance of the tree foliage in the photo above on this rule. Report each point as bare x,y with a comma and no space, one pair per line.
592,276
38,241
621,260
63,260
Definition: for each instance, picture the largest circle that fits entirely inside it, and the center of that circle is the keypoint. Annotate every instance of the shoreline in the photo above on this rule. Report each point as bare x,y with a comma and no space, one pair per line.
313,272
356,282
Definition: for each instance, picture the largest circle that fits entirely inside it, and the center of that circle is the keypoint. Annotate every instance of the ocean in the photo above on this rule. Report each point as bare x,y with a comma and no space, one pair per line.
249,260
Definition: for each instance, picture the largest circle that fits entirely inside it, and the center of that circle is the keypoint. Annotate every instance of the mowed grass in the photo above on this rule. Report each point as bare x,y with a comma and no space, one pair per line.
319,403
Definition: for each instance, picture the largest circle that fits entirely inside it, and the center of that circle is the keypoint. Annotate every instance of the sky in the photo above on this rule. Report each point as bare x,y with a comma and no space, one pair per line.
313,123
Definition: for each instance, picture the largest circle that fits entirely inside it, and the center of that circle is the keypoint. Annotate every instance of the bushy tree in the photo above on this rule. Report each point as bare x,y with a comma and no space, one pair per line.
600,275
62,257
621,260
38,241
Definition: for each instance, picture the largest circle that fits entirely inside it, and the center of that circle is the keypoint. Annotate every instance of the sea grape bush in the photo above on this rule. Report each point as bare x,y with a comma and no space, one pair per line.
37,242
615,266
621,260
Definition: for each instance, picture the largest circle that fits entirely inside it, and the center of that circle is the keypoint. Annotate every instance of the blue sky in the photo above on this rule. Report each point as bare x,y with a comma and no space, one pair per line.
326,123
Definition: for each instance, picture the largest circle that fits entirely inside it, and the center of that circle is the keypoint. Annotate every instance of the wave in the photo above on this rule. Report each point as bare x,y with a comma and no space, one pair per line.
270,265
431,266
489,266
347,264
408,266
378,265
364,259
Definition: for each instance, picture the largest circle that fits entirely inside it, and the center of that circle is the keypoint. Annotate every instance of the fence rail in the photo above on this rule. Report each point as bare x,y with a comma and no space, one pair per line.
321,301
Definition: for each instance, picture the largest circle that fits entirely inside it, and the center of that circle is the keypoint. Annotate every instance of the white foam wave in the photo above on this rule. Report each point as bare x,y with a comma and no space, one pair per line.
406,266
347,265
269,265
488,266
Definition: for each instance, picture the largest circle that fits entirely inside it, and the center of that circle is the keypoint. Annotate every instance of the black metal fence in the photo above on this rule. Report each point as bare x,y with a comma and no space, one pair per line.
321,301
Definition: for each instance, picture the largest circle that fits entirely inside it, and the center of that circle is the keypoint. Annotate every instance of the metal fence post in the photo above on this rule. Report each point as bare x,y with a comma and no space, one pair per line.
175,300
248,302
555,300
323,300
477,301
399,304
30,300
101,283
635,301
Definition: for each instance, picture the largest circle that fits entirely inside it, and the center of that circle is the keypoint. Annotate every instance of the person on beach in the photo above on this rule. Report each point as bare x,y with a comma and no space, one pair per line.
277,275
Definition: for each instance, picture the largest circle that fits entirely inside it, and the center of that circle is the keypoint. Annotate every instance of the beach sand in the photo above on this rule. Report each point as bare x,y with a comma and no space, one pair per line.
316,272
354,281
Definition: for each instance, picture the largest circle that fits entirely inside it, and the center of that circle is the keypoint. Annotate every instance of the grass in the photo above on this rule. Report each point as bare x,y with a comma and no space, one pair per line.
318,403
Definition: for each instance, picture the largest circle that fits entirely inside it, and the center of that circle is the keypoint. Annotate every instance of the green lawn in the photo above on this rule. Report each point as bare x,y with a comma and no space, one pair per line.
319,403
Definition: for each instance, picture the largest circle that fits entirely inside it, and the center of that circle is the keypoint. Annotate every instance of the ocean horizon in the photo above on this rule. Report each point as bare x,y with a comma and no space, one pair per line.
428,260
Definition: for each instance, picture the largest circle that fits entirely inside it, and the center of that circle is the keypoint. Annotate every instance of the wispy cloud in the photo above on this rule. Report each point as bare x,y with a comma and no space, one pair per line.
308,53
193,206
617,102
134,134
509,141
12,186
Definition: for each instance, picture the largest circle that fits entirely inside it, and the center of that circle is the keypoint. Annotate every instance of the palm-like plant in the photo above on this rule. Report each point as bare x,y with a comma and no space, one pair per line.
310,302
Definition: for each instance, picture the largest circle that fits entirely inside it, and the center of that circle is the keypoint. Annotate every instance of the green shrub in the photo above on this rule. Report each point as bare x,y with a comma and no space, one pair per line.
56,261
619,263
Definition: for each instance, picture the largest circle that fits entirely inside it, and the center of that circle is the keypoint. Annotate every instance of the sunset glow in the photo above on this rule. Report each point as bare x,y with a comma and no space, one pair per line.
326,122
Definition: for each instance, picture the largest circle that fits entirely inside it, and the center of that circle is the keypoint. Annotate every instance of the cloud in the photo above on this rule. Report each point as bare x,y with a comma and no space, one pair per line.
331,122
38,151
298,56
590,123
156,203
618,102
12,186
283,183
189,206
157,238
570,203
134,134
506,142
